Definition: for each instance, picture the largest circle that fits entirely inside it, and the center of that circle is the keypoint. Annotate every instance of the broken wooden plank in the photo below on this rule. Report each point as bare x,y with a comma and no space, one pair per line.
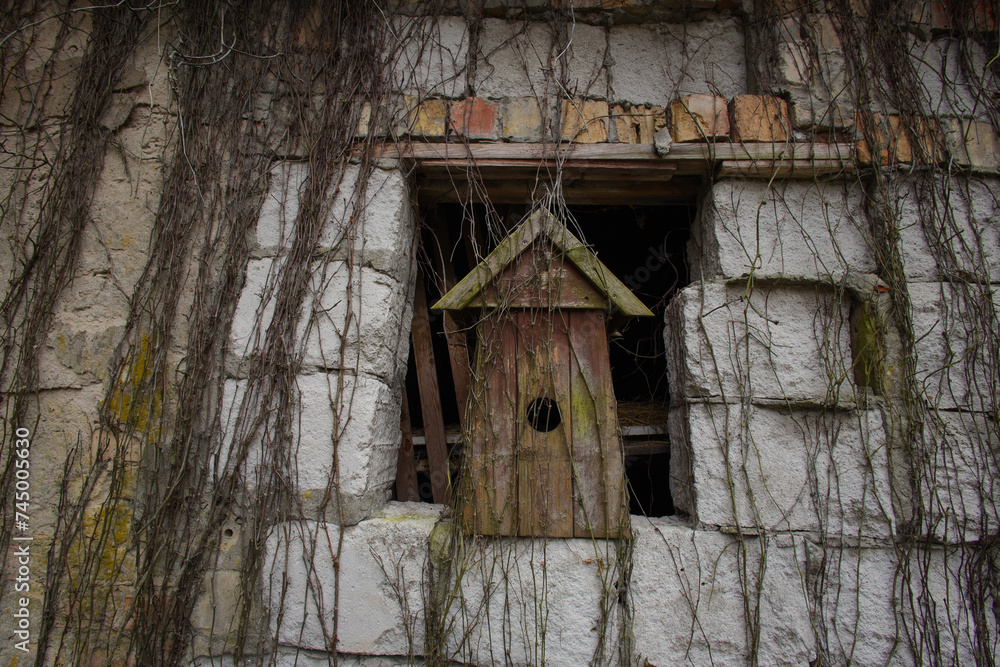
458,351
430,396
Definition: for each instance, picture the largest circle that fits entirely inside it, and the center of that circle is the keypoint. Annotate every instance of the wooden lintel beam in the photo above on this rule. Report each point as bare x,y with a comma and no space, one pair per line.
441,155
783,168
640,193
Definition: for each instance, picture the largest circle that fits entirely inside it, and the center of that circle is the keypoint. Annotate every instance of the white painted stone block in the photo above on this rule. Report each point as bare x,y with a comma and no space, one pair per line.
791,228
353,420
383,561
353,317
691,592
784,469
956,329
943,87
532,602
937,606
358,319
959,473
655,65
375,227
255,308
356,423
276,224
784,342
855,616
517,58
371,226
950,229
429,56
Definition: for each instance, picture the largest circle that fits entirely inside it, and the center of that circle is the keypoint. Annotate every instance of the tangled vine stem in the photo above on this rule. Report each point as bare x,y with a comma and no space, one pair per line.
178,455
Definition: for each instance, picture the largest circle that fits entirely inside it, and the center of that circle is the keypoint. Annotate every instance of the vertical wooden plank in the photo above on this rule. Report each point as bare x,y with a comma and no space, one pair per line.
458,351
490,461
544,462
406,467
599,502
430,397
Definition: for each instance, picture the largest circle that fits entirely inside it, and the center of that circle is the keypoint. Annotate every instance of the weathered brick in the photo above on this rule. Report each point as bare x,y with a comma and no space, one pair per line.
759,118
585,121
978,16
475,118
893,140
425,118
638,125
699,118
522,119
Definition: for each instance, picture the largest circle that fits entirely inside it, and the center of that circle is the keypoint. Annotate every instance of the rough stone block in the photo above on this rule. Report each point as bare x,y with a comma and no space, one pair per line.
381,600
959,476
814,230
759,118
374,227
433,57
692,593
360,320
218,606
855,616
972,144
276,224
255,308
638,124
939,67
522,60
955,327
352,421
949,228
585,121
474,118
777,342
533,602
355,319
652,65
785,469
699,118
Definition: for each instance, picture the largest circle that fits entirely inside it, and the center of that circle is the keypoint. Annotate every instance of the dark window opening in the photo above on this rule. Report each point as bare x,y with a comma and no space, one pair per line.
644,246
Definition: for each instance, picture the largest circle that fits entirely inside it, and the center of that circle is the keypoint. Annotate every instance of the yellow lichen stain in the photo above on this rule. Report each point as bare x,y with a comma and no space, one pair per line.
869,355
135,402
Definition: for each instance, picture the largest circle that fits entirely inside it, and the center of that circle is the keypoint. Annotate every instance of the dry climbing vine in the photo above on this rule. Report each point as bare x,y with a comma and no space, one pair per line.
143,505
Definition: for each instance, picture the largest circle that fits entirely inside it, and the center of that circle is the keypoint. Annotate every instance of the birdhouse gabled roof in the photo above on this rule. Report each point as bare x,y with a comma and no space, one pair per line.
542,224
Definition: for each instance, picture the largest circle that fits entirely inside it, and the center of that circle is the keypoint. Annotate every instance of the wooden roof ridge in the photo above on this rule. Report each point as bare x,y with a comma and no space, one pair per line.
543,223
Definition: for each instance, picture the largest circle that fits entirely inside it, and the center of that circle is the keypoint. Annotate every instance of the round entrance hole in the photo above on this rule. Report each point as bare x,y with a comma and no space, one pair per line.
543,414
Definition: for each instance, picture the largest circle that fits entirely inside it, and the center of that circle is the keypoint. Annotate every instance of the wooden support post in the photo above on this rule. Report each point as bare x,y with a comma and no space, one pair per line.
430,397
458,351
406,467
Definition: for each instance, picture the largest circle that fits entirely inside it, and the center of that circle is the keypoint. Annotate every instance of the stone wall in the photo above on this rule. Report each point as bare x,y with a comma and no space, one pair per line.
834,386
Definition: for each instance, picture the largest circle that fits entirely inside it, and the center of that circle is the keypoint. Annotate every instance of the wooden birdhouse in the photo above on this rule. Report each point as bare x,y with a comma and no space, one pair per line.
544,456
